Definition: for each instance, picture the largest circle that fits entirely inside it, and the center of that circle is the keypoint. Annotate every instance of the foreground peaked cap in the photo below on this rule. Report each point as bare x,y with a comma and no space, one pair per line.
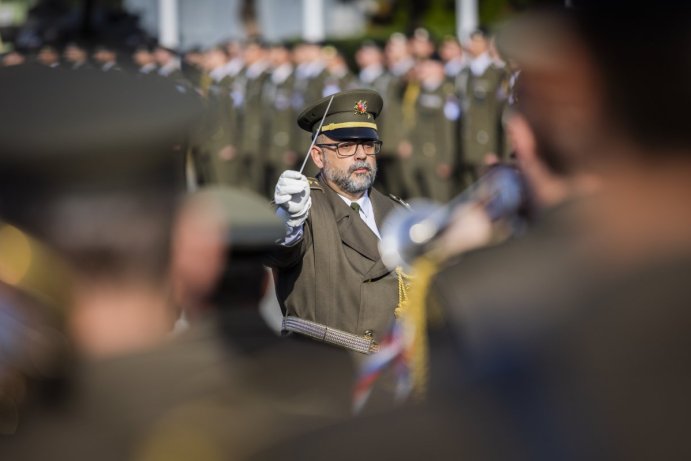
351,116
251,222
62,124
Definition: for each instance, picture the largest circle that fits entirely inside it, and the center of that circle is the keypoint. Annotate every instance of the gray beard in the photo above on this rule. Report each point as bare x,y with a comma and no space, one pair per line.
355,185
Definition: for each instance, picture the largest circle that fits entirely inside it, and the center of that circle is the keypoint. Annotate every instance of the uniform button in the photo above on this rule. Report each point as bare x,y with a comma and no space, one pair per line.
369,333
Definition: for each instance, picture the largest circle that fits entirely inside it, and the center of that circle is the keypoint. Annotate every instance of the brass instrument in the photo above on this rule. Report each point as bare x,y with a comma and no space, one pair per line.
410,233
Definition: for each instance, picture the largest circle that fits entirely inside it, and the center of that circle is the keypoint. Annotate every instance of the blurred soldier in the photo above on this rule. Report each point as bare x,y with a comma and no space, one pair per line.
99,189
310,73
451,53
330,280
214,64
278,125
594,330
421,44
373,75
428,151
107,204
48,56
144,60
251,81
230,397
235,62
338,75
76,56
192,66
219,142
168,63
106,59
398,58
421,48
479,90
86,212
399,64
370,61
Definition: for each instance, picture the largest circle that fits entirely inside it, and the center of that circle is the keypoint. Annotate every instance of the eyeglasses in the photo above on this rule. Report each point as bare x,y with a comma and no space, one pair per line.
349,148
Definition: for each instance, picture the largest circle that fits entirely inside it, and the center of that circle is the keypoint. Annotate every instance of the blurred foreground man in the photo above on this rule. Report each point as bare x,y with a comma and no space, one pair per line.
106,203
229,398
601,371
99,189
331,282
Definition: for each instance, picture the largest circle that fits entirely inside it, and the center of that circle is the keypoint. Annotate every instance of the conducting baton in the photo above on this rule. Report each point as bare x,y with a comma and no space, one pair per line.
304,162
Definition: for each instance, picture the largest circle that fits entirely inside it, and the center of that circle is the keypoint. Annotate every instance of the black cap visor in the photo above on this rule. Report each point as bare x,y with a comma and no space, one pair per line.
345,134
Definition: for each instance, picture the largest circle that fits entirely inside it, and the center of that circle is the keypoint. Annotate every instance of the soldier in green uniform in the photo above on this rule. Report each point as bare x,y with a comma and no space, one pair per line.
225,65
479,87
330,280
213,150
374,75
310,78
278,125
143,58
430,141
338,76
252,81
399,64
169,64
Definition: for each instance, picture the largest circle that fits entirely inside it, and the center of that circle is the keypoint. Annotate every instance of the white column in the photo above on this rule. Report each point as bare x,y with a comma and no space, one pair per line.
168,26
466,18
313,29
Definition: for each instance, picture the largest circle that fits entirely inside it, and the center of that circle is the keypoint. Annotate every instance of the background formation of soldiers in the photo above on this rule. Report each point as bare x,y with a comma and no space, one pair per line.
443,104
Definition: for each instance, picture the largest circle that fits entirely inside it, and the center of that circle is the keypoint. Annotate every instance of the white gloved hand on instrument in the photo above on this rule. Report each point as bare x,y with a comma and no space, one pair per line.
293,195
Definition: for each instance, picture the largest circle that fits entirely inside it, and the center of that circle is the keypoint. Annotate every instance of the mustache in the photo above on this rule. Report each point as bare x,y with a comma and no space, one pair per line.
358,165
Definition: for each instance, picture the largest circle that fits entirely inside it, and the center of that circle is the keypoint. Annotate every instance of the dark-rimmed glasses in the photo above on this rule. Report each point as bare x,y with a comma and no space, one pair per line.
349,148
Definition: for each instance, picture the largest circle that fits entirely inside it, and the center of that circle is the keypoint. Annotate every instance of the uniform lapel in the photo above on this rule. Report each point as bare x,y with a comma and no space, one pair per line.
352,229
382,206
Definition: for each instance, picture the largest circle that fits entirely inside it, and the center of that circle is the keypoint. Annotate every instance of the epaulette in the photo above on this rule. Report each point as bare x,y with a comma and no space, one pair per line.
314,184
399,200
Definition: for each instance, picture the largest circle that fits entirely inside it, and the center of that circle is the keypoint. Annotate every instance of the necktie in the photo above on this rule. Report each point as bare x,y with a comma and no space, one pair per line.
356,207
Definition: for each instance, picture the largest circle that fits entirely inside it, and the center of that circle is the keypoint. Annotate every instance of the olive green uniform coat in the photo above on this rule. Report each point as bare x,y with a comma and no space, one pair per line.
278,126
334,275
481,131
432,138
251,140
306,90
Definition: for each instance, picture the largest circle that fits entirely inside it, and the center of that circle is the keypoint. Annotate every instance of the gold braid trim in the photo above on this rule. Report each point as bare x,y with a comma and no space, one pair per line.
412,91
413,311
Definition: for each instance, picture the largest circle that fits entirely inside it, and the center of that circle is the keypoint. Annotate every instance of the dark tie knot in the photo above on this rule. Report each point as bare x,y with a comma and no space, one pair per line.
355,206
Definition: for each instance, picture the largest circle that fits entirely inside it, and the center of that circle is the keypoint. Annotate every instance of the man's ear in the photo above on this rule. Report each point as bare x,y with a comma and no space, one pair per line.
317,157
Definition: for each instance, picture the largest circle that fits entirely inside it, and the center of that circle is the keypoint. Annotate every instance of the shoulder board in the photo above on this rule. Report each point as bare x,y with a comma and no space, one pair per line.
399,200
314,184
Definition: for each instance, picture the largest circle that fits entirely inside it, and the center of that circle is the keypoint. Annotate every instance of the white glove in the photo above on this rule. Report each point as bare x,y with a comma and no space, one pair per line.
293,195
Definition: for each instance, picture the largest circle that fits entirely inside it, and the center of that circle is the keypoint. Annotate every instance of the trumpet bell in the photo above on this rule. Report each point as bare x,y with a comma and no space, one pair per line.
406,233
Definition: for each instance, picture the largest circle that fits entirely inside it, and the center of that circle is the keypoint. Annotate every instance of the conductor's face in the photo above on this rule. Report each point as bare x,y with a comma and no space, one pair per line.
349,167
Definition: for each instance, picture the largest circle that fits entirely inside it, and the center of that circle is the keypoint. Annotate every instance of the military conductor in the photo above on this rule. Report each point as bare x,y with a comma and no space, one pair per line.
330,280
